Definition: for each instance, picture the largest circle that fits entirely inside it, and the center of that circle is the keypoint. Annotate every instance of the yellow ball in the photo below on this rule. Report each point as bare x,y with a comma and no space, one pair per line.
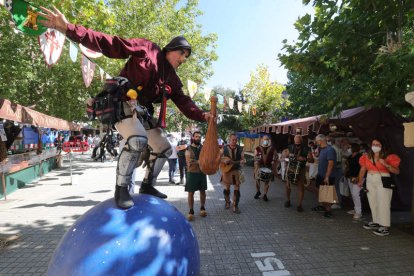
132,94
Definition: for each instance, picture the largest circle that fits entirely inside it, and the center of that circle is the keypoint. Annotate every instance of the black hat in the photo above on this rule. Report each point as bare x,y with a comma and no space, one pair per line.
177,43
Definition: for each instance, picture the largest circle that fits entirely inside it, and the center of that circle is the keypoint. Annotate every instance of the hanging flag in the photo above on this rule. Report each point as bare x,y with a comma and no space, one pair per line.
192,88
101,72
231,103
220,99
239,106
254,110
73,51
25,16
88,70
89,53
51,44
246,108
207,93
224,104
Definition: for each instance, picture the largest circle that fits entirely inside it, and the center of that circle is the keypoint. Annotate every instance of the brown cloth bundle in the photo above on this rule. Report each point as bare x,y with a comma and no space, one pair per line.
209,160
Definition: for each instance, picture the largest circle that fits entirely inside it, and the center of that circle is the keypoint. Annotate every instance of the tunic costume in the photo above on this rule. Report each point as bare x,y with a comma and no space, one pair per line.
233,176
301,151
196,180
266,158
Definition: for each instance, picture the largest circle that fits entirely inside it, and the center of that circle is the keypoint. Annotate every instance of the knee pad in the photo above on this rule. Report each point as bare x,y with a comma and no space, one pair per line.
137,143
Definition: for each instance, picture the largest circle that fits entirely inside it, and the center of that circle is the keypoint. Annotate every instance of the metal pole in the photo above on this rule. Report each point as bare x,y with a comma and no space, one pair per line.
3,183
70,166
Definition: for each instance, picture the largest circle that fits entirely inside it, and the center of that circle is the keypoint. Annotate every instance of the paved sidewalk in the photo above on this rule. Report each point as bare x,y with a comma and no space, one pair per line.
265,239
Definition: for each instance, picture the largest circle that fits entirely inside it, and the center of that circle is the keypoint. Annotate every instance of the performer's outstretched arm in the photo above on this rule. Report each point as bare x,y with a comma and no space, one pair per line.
110,46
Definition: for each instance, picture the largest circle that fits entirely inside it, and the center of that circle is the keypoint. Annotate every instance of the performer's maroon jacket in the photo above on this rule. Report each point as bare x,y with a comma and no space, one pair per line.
146,67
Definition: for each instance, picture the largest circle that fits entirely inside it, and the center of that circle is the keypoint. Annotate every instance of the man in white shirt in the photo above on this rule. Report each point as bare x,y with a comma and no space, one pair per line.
172,159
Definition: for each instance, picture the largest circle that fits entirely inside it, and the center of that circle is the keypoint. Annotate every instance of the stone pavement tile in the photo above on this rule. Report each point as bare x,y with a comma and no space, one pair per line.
302,242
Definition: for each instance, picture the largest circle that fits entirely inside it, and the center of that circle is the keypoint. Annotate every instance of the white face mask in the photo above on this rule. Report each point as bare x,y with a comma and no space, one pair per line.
329,143
265,143
376,149
350,151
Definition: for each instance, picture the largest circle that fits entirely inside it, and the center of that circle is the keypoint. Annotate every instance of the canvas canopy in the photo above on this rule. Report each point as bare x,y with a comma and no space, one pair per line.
21,114
364,123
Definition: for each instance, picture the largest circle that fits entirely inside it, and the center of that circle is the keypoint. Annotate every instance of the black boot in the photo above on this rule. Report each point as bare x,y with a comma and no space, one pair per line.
122,197
236,202
116,195
226,194
148,189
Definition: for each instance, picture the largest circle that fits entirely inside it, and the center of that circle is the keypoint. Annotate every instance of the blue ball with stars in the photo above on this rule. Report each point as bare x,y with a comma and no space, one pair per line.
150,238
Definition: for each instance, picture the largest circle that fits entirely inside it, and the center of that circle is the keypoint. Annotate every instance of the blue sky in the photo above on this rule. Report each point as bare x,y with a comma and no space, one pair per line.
250,32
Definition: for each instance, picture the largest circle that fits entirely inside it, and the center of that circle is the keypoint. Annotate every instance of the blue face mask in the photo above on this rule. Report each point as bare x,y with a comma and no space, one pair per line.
265,142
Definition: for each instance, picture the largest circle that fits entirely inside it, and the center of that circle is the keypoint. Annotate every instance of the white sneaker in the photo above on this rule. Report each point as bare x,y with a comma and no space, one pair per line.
357,216
351,212
336,206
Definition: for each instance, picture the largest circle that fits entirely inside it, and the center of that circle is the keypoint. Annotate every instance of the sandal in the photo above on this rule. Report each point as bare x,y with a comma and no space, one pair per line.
236,210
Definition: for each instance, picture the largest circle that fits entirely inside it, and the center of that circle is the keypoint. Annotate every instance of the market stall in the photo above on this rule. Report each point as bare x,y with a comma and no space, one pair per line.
29,144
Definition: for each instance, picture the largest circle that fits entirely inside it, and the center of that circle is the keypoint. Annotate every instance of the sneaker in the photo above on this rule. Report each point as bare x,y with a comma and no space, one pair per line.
299,209
327,214
371,226
190,217
203,213
318,208
351,212
382,231
257,195
287,204
336,206
265,198
357,216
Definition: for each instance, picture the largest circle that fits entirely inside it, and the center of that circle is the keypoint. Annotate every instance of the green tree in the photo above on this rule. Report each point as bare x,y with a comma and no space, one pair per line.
351,53
59,91
266,96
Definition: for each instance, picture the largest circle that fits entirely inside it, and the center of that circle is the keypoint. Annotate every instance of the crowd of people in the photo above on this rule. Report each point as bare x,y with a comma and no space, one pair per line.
351,169
345,167
331,163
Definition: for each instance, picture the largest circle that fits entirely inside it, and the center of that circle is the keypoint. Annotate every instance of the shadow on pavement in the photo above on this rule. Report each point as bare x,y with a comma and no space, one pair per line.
63,203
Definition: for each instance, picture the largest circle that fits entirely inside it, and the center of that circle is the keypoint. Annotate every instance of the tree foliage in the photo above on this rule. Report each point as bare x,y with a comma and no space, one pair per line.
266,95
351,53
59,91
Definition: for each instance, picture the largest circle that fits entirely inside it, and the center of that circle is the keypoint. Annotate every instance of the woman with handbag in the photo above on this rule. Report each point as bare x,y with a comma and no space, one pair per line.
379,166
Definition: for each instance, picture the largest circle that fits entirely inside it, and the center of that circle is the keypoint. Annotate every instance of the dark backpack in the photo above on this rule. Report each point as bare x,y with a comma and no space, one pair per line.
107,106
